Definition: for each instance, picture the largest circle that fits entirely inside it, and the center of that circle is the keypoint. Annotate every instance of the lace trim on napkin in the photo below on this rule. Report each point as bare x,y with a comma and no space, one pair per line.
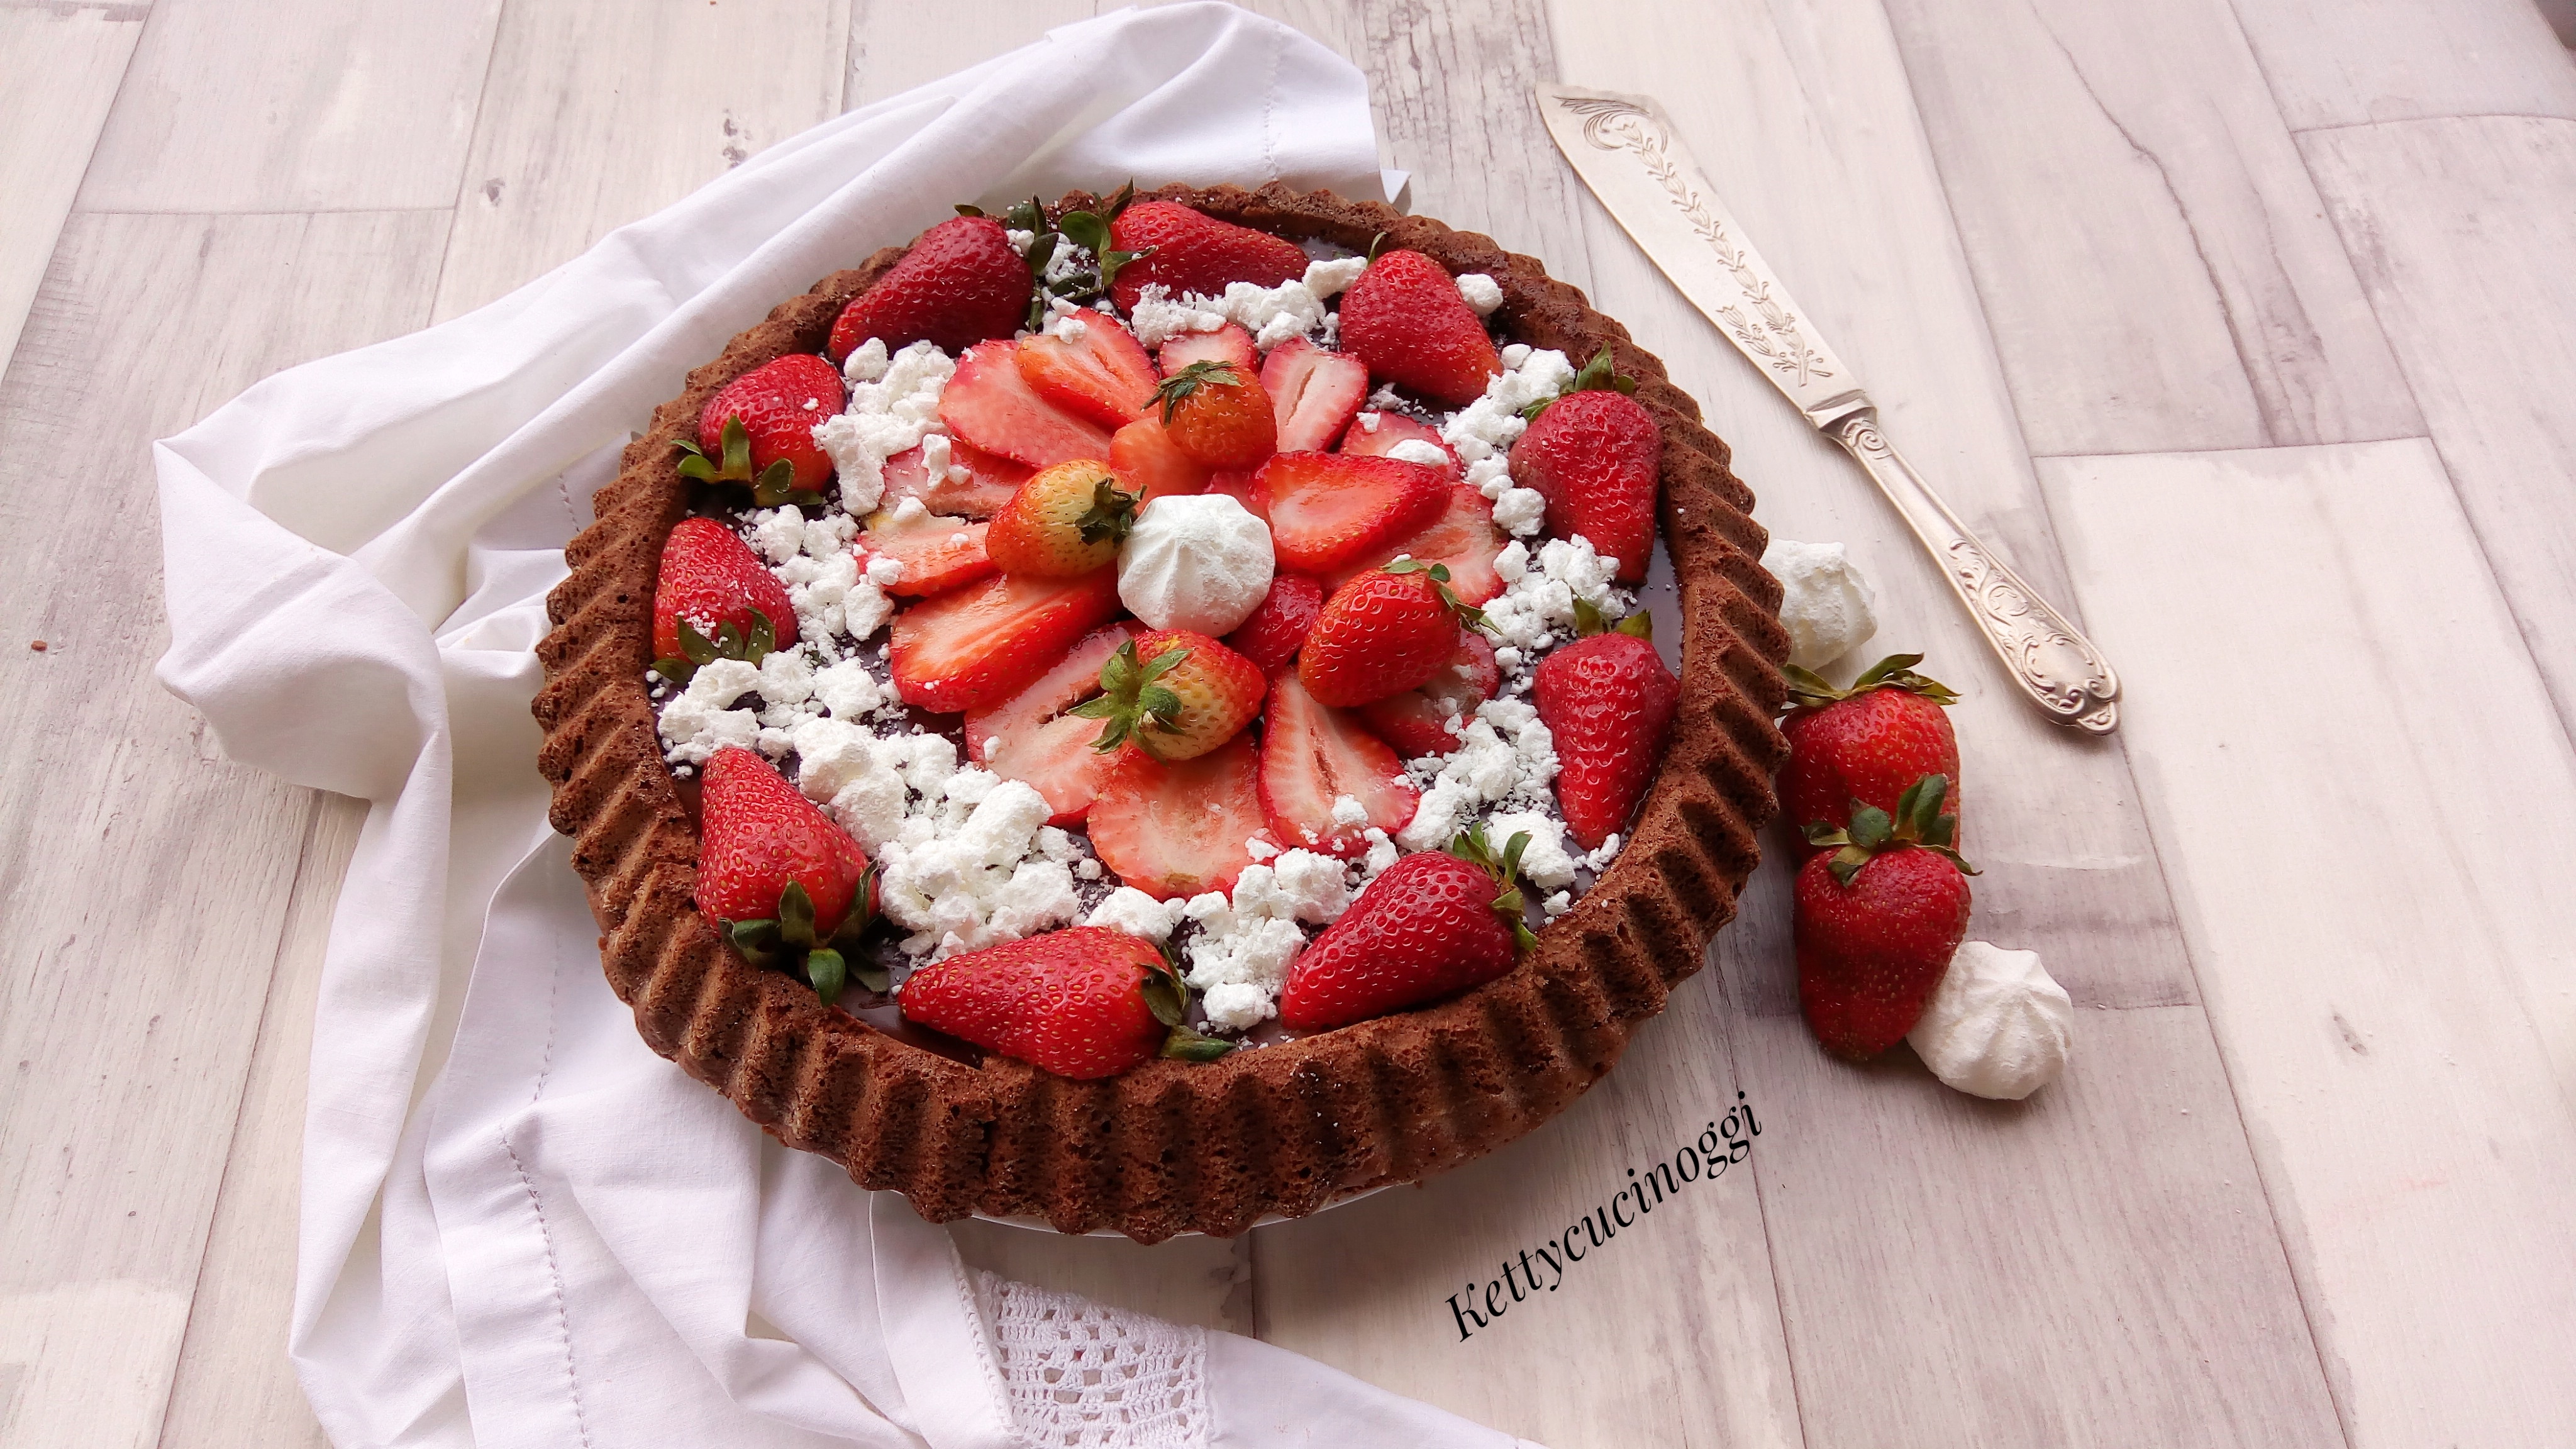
1084,1376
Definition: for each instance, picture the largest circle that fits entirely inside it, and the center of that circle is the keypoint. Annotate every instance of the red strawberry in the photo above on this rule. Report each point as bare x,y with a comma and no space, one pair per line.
1327,511
989,482
1229,343
710,577
1595,456
1066,521
1431,925
779,402
1416,722
1384,632
984,643
1865,743
1313,392
1217,413
990,404
1179,830
938,554
1244,488
1462,535
1195,254
1103,375
1147,462
1877,919
1608,700
1405,320
1391,429
1176,694
757,834
1031,738
960,284
1280,623
1084,1003
1311,759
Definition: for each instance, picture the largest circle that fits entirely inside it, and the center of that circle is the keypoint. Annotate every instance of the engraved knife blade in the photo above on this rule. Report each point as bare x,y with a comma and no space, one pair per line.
1626,149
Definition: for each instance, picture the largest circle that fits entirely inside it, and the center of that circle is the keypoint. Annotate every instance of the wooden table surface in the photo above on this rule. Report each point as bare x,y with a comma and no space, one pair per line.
2247,328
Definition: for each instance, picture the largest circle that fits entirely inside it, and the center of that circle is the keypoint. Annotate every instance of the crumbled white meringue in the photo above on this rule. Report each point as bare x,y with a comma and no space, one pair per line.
1998,1026
1195,561
1824,602
1481,292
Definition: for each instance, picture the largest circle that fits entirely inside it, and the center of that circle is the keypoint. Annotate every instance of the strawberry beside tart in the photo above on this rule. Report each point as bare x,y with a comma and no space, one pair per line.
1124,712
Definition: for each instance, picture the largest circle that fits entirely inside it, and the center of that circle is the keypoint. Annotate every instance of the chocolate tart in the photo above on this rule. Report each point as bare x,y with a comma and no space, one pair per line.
1173,1147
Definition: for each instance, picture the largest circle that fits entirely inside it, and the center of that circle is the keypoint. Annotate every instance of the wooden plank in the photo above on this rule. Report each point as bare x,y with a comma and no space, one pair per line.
59,68
291,105
146,879
2149,248
596,115
2367,806
2352,62
2462,231
896,44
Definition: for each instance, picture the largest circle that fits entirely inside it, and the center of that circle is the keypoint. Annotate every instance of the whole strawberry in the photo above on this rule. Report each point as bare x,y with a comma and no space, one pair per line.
1190,253
1383,632
1865,743
1175,693
1608,700
1218,414
1878,914
1431,925
961,284
775,875
1405,319
1085,1003
1279,623
1596,457
1062,523
714,596
759,429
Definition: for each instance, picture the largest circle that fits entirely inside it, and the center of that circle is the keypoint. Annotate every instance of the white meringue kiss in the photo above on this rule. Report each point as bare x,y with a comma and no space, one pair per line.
1195,561
1998,1027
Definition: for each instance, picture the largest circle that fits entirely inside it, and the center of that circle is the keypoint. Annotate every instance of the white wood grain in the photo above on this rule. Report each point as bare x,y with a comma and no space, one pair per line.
292,105
59,68
2150,251
898,44
2462,231
2367,808
2349,62
595,115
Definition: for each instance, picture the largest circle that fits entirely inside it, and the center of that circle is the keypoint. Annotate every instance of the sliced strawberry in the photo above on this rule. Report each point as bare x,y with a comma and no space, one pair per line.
1229,343
1329,510
1177,830
1279,623
1314,392
1391,429
1244,488
1030,738
990,481
1145,458
982,644
1416,722
1463,536
1311,759
990,404
1103,375
937,553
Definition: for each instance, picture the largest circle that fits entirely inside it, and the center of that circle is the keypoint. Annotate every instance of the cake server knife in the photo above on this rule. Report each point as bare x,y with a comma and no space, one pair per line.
1626,150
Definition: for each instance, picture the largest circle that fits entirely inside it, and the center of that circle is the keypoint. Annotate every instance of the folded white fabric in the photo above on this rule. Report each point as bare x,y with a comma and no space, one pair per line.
520,1226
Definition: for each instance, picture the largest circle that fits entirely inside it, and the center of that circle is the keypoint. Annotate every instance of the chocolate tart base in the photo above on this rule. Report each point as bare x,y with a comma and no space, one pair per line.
1173,1147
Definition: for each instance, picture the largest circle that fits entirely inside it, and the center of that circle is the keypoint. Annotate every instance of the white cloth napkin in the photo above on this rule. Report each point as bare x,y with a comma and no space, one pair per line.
520,1226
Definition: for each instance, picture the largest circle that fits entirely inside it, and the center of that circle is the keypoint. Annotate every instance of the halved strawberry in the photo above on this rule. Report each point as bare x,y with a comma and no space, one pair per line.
990,404
1030,738
1404,318
1244,488
990,481
961,282
1391,429
1103,375
1190,252
1312,758
1279,623
1329,510
1147,461
1229,343
1463,536
1314,392
937,553
1416,722
982,644
712,579
1177,830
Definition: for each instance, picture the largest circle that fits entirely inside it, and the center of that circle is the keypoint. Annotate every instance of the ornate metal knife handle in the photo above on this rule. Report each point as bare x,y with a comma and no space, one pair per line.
2052,662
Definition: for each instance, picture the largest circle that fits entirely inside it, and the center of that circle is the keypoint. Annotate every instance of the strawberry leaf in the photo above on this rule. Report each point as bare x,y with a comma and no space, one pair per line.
677,671
1847,863
694,646
828,972
1166,995
1870,826
796,917
1190,1046
1084,230
1111,514
1120,202
968,208
1639,625
1180,385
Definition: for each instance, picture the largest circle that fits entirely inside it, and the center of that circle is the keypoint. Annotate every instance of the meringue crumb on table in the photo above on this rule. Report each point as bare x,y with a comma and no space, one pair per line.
1825,602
